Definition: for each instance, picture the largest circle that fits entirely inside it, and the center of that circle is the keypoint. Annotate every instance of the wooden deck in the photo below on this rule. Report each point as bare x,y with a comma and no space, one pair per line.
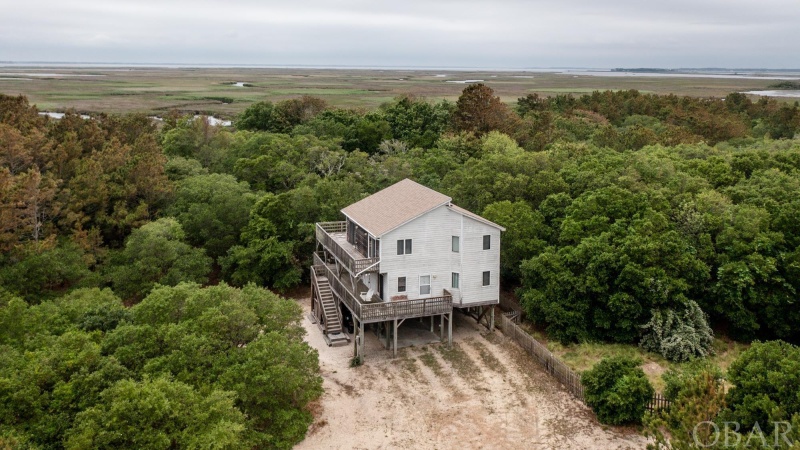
375,310
333,236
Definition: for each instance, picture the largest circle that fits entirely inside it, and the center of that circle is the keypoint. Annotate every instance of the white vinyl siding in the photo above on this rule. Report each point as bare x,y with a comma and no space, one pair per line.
433,255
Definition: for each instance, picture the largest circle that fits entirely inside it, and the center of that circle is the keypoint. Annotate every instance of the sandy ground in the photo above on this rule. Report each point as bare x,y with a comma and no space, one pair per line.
483,393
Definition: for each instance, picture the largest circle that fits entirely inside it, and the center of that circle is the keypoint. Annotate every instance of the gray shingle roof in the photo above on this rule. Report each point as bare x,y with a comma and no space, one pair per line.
399,203
386,210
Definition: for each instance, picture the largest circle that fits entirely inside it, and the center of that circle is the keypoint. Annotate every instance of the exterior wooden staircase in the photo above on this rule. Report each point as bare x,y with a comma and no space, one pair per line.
332,326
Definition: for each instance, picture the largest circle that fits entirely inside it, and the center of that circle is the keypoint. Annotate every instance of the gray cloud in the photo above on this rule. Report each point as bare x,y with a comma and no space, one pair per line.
501,33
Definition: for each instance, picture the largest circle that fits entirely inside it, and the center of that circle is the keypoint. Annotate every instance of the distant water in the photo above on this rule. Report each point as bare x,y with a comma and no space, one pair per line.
48,75
58,115
215,121
747,76
780,93
464,81
211,120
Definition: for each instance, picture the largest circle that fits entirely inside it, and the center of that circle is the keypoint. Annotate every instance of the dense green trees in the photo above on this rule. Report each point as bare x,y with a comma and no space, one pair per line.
156,254
280,118
417,122
212,210
158,414
187,367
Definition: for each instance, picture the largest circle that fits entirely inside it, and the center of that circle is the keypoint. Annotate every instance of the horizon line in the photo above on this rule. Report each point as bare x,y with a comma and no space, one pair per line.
395,67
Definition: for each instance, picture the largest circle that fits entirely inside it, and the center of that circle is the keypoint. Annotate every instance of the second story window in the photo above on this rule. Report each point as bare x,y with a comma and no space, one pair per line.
487,241
456,244
401,284
404,246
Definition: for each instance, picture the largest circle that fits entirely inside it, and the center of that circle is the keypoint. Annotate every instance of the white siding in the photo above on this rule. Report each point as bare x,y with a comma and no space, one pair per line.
432,255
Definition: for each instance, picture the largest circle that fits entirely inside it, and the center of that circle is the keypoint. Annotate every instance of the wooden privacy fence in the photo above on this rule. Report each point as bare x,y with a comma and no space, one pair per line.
552,365
568,378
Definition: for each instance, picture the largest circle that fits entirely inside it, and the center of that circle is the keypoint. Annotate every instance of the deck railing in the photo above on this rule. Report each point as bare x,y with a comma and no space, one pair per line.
354,265
369,312
405,309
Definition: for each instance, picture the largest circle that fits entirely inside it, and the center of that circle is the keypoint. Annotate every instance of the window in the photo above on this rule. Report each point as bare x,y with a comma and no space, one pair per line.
456,244
487,241
425,285
404,246
486,278
454,283
401,284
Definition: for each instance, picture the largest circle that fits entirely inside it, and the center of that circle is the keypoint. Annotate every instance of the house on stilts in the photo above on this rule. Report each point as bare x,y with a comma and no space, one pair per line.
404,252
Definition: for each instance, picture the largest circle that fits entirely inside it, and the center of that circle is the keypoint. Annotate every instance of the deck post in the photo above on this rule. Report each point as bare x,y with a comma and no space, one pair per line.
491,326
450,330
355,337
361,339
441,326
394,347
432,320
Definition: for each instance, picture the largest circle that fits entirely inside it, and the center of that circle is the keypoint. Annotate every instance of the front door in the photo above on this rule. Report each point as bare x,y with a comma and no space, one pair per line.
381,281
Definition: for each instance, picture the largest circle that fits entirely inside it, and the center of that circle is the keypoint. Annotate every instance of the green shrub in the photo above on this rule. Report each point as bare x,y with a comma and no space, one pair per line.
766,379
676,381
678,336
617,390
698,394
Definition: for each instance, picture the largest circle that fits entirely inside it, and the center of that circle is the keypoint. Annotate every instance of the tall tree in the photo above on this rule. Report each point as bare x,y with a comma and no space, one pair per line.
479,111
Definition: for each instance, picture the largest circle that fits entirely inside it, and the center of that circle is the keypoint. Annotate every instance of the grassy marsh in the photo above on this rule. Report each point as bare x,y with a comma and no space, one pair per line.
192,90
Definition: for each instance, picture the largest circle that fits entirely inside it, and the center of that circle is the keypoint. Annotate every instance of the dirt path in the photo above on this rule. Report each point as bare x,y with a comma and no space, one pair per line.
482,393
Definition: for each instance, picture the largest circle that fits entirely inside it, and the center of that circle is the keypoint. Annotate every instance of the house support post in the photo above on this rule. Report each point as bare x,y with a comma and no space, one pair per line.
450,330
355,337
394,347
491,321
441,327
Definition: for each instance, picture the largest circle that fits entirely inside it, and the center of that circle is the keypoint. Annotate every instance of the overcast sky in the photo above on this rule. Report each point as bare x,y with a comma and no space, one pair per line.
438,33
